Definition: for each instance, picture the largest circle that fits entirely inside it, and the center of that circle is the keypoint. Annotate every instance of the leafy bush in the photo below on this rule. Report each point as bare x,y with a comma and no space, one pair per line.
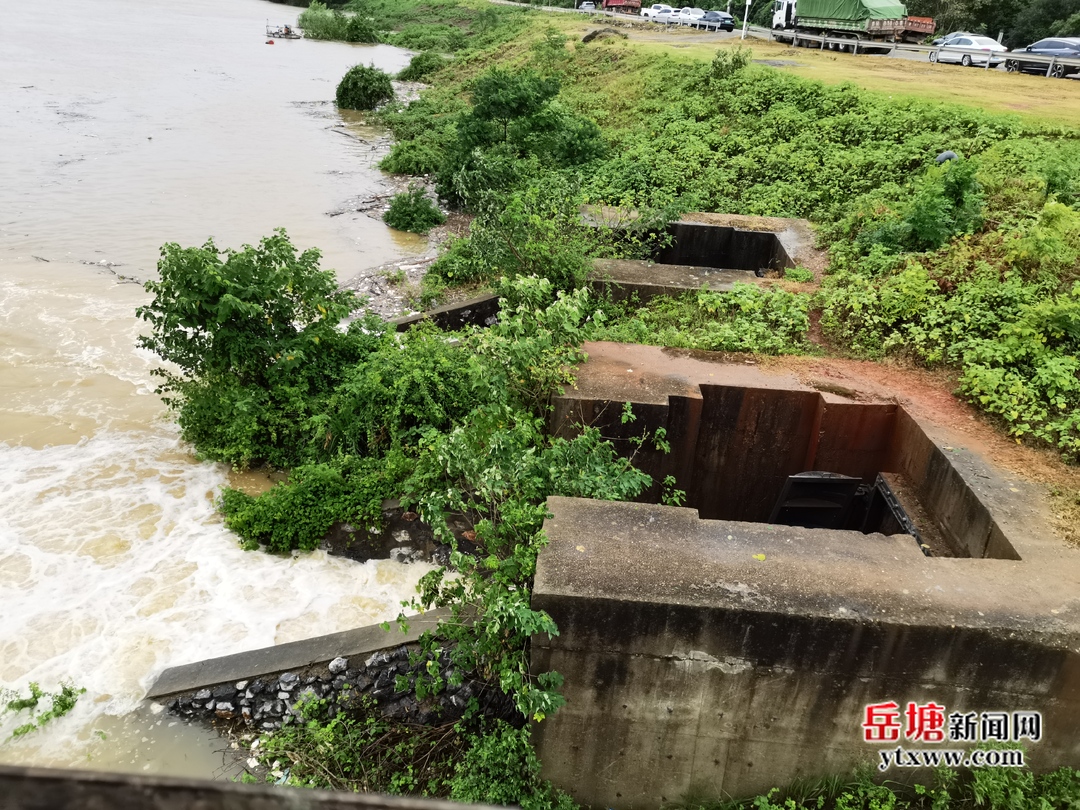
747,319
319,22
502,768
728,62
514,123
363,88
297,514
411,384
430,37
253,334
412,157
412,211
421,65
499,466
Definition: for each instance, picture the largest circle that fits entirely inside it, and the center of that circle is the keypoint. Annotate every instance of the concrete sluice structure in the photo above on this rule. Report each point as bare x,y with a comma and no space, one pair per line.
706,254
708,650
705,650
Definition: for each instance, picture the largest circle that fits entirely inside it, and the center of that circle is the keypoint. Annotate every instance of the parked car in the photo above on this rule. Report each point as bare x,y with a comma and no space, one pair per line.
992,51
587,6
689,16
954,35
653,10
666,15
1067,47
714,20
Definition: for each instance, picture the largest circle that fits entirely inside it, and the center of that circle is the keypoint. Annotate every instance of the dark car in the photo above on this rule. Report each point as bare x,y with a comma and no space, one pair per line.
1061,47
714,20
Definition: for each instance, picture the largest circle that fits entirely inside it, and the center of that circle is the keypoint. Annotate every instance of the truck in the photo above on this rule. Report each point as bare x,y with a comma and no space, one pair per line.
861,23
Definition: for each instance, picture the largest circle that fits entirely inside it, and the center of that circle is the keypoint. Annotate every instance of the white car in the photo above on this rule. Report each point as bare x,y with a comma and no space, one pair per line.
689,16
971,50
652,11
666,15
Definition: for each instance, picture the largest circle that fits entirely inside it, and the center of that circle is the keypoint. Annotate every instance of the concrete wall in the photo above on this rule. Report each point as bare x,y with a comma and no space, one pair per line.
723,247
48,789
692,665
736,434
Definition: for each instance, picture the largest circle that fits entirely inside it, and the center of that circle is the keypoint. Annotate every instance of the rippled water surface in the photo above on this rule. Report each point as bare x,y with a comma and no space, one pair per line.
125,124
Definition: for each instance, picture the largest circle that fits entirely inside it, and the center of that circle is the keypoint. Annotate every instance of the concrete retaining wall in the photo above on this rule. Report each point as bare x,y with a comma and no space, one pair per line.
704,652
727,657
49,789
718,246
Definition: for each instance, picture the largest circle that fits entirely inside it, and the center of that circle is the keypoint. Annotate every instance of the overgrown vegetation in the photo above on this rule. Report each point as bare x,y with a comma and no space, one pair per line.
56,705
421,66
992,788
972,263
412,210
347,745
747,319
363,88
319,22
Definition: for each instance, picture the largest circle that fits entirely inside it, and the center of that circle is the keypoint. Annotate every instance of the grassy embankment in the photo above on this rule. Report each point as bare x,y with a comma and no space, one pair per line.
919,258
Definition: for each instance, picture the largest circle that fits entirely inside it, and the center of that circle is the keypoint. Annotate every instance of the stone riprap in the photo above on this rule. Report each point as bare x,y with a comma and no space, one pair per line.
268,702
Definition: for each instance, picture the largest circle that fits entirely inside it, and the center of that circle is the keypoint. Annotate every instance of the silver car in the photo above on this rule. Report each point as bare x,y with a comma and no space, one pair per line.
970,50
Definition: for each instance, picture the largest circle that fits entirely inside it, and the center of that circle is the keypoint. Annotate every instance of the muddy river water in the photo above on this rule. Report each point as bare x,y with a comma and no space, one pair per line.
125,124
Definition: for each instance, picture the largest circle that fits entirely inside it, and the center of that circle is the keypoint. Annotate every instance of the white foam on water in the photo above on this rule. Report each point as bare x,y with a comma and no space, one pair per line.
114,564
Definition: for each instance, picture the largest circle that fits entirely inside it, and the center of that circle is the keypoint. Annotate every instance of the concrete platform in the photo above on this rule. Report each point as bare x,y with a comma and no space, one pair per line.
729,657
53,789
296,655
624,278
705,649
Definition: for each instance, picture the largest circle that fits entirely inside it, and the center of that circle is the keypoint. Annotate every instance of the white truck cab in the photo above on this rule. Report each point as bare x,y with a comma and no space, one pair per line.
783,14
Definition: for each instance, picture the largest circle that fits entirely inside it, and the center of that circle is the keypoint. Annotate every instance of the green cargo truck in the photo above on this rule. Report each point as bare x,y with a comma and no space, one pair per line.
856,21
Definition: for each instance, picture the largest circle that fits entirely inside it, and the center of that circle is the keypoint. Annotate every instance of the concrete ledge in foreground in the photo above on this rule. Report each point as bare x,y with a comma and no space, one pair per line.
294,655
52,789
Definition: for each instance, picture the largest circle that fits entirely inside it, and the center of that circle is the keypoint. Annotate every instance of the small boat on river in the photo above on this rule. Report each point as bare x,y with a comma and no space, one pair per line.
282,32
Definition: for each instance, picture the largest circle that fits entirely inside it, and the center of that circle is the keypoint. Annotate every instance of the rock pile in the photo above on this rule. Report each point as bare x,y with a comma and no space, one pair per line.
267,703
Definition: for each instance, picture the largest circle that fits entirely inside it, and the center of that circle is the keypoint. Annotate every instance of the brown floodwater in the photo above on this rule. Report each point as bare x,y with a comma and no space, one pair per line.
124,125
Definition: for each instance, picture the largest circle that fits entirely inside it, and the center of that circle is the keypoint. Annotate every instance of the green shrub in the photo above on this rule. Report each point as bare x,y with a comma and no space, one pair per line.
412,211
254,346
422,65
319,22
513,118
746,319
430,37
298,513
502,768
363,88
418,157
800,274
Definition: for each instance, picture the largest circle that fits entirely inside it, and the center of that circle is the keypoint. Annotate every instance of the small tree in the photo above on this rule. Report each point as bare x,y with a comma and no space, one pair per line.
254,342
363,88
